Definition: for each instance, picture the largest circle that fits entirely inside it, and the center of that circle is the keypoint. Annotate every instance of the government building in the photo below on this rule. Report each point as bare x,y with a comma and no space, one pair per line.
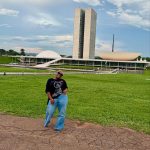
83,53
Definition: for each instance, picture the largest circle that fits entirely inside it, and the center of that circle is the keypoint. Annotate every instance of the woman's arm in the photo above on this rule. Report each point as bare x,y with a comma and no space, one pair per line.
50,97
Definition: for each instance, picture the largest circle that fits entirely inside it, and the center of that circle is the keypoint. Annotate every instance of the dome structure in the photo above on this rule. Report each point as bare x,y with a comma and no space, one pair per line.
48,54
119,56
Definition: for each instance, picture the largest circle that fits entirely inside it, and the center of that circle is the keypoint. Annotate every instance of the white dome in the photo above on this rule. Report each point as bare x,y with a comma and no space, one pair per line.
48,54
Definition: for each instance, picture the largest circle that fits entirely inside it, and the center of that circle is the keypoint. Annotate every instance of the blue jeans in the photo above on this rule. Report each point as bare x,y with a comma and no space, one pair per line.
61,104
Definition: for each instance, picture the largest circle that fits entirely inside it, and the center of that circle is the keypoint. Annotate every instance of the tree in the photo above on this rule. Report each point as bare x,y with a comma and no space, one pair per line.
147,58
2,52
10,52
97,57
22,52
69,56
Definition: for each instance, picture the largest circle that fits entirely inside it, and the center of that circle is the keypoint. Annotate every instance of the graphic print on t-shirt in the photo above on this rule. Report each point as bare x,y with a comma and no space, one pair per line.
58,90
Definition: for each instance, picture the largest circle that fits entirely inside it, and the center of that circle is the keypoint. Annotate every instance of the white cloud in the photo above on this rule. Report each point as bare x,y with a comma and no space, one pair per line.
40,38
5,25
70,19
39,2
60,43
102,46
135,20
28,3
28,49
43,19
106,46
89,2
113,14
8,12
61,38
134,13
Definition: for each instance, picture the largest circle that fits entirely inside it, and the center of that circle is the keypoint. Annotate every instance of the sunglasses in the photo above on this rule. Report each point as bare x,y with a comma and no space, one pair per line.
60,73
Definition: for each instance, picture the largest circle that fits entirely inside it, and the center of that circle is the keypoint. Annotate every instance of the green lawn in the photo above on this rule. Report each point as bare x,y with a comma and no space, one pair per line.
118,100
16,69
5,60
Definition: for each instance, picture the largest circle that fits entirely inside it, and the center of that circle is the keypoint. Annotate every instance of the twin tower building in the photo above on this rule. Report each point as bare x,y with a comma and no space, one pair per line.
84,34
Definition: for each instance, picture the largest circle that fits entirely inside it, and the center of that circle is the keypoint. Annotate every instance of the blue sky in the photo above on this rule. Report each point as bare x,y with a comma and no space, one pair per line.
39,25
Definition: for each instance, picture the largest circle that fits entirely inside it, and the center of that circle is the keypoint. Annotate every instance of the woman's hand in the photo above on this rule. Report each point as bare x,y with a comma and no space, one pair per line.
52,101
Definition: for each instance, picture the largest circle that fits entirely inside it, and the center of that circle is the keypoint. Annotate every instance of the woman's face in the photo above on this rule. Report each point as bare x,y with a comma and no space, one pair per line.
58,75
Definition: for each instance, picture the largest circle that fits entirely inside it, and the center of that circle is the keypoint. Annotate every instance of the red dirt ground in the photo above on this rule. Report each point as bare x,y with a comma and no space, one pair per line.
20,133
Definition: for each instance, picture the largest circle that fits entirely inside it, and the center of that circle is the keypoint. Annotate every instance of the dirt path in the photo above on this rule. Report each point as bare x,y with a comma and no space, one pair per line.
20,133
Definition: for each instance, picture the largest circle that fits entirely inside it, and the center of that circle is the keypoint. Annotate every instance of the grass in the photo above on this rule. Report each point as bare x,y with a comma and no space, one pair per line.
113,100
16,69
147,72
5,60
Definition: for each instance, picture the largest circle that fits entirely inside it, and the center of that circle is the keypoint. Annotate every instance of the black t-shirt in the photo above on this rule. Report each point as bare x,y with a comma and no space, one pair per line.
55,87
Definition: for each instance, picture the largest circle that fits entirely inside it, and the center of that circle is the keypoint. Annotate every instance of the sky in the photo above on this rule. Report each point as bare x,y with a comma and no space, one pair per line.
38,25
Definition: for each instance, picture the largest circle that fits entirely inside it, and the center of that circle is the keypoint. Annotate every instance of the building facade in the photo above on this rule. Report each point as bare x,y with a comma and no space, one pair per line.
84,33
